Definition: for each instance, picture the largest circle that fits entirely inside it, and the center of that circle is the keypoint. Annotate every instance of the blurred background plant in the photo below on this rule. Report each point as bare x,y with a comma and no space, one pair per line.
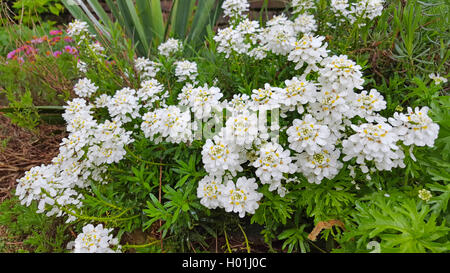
144,23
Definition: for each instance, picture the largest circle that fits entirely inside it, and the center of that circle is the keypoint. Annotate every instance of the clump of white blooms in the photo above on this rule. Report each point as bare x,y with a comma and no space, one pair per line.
95,240
279,36
235,8
186,70
365,9
146,68
324,163
357,12
332,119
374,142
415,127
305,23
438,79
297,92
340,7
151,92
124,105
85,88
307,135
219,156
170,47
78,29
241,129
169,123
202,100
209,191
309,50
302,5
366,104
340,73
241,197
272,163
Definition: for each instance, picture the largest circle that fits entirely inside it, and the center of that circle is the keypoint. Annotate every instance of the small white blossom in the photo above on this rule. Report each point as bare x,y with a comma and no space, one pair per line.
272,162
209,191
415,127
219,156
85,88
307,135
241,197
437,78
94,240
185,70
309,50
170,47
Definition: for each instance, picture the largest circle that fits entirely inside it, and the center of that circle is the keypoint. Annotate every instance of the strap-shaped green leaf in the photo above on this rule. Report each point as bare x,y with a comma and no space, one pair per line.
133,25
101,13
182,11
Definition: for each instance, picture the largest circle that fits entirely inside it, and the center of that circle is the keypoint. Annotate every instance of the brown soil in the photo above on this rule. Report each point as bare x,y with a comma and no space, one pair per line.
20,150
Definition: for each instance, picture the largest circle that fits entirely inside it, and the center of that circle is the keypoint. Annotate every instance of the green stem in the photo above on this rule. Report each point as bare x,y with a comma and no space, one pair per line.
314,245
226,240
143,245
246,240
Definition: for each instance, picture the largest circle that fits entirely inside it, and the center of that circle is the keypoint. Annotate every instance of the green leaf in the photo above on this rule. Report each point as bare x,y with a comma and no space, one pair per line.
183,11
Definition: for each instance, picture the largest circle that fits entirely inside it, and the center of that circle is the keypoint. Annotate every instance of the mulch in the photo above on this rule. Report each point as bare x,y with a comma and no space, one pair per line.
20,150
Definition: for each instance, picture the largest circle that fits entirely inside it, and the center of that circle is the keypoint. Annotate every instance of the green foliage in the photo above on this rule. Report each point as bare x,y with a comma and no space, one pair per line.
23,112
327,200
35,88
143,21
38,232
400,224
31,11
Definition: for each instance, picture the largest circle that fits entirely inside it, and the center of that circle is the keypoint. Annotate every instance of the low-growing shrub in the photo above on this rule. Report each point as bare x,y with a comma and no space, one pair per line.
272,124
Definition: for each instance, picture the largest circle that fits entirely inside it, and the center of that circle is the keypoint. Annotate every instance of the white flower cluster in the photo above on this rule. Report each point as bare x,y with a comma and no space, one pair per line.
146,68
202,100
235,8
333,120
83,156
85,88
169,123
78,29
95,240
124,105
280,36
359,11
240,197
169,47
186,70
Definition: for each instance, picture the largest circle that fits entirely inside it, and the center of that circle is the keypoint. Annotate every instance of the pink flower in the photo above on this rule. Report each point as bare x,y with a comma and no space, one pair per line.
55,32
72,50
11,54
57,53
68,39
